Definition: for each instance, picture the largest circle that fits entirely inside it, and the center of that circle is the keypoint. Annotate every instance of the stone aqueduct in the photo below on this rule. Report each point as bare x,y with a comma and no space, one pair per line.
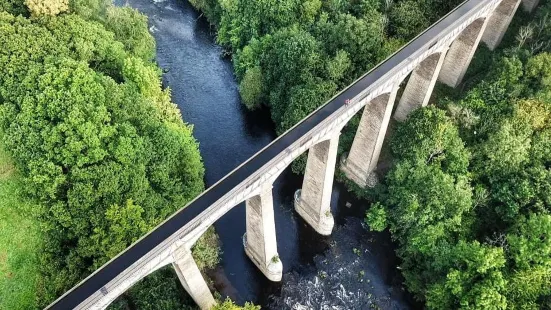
443,52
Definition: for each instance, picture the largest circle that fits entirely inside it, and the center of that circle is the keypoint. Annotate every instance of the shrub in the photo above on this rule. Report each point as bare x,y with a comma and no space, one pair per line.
47,7
250,88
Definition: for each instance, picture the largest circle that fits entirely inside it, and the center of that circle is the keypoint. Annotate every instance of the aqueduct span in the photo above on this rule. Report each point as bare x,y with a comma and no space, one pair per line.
443,52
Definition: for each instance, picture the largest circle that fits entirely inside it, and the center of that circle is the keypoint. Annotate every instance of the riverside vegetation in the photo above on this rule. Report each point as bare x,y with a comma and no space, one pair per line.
469,196
294,55
468,202
93,154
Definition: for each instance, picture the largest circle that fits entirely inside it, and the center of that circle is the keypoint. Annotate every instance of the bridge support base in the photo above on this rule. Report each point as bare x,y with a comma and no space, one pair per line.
530,5
192,280
314,202
366,148
461,53
420,86
499,22
260,239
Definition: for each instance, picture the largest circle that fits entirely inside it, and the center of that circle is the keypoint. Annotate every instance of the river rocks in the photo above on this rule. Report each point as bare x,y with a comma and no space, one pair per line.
352,274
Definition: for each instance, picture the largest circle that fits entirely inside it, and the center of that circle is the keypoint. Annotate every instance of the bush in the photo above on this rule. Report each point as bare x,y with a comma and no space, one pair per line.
407,19
250,88
130,27
228,304
206,251
376,217
47,7
15,7
159,290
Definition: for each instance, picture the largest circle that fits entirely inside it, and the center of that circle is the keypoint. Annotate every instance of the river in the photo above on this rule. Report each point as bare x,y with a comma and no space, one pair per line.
352,269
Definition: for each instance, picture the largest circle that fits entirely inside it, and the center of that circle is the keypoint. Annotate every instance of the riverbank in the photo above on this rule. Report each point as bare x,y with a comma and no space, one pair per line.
204,87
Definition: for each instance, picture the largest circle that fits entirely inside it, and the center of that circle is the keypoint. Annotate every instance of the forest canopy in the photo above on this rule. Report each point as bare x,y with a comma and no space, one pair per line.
468,197
100,152
97,154
291,56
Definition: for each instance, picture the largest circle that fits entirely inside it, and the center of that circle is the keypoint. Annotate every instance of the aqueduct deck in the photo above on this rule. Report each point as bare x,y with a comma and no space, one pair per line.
443,52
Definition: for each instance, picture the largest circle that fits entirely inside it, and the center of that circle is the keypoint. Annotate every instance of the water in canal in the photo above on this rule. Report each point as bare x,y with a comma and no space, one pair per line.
352,269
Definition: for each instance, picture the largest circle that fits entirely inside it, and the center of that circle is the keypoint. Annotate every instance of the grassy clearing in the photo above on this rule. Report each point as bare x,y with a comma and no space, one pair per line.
19,243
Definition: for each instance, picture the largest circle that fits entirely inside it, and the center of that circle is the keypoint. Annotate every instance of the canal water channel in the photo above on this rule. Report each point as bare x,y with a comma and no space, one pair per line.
352,269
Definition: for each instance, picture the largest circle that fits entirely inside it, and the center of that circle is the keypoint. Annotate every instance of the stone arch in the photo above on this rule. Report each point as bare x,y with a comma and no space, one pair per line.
499,21
388,88
419,87
314,202
368,141
108,296
530,5
461,52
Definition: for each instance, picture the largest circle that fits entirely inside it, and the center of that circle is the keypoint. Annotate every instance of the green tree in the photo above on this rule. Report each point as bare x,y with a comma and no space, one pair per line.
211,9
243,20
251,88
304,99
95,10
538,73
473,278
228,304
15,7
47,7
530,253
124,224
360,38
101,149
376,217
338,66
429,200
429,136
407,19
292,57
130,27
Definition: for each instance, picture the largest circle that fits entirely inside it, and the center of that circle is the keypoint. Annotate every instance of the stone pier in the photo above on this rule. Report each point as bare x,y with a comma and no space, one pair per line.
420,86
366,148
314,203
461,53
192,280
530,5
260,239
499,22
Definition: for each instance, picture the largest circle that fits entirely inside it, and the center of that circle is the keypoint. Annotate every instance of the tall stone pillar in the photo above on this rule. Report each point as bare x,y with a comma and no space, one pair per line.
499,22
314,203
461,53
530,5
260,239
192,280
420,86
366,148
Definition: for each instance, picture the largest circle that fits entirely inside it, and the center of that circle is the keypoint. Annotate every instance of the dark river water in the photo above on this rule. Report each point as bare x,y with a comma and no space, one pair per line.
352,269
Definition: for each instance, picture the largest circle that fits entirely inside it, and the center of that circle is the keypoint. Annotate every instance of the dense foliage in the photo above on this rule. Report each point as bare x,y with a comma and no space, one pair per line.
102,153
468,199
230,305
294,55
